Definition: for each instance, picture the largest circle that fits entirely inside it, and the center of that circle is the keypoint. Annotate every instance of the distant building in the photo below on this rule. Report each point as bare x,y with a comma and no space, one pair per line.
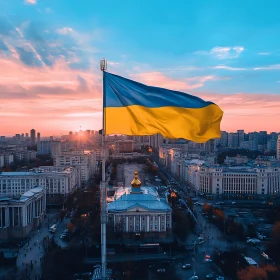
44,147
20,214
32,137
55,147
278,148
84,161
2,162
156,141
124,146
38,138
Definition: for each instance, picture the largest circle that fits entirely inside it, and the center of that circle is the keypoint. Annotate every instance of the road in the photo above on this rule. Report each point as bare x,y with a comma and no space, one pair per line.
32,252
128,173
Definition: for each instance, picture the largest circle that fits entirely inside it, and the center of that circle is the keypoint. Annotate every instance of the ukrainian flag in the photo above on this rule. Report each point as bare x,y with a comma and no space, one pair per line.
132,108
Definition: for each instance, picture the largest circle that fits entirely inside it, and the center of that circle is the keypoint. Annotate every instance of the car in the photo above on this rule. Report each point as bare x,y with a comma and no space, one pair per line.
208,260
194,277
260,236
53,228
161,270
253,241
187,266
220,278
233,202
211,276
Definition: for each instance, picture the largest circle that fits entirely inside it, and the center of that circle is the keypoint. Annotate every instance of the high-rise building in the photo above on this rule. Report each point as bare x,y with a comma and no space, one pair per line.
26,135
278,148
38,138
224,139
44,148
55,147
232,140
240,134
33,137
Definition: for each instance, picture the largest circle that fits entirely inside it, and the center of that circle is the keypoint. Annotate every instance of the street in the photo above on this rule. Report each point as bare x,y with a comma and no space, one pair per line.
32,252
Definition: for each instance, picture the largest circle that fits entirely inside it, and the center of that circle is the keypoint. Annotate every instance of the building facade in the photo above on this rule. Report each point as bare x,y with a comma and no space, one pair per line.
140,210
58,183
84,161
20,214
235,182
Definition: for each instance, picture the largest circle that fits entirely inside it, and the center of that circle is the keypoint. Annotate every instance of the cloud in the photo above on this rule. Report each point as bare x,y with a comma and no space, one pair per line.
160,80
269,67
229,68
223,52
31,2
52,97
264,53
247,111
65,31
227,52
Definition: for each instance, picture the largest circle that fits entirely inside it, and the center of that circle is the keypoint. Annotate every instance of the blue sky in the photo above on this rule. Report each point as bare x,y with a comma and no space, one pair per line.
225,51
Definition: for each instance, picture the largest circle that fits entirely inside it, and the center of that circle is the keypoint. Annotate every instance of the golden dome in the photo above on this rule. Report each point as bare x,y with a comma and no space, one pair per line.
136,183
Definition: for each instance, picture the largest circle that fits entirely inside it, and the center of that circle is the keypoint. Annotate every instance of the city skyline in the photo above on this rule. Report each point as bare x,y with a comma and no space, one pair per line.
50,52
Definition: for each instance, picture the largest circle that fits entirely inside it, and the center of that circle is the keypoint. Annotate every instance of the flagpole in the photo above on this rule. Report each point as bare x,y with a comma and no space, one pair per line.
103,67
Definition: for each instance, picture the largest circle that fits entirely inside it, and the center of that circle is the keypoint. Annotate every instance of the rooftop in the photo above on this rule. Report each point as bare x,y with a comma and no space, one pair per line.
148,199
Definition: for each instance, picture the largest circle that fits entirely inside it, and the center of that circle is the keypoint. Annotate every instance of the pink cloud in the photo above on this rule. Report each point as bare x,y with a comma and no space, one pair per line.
247,111
160,80
58,98
48,97
32,2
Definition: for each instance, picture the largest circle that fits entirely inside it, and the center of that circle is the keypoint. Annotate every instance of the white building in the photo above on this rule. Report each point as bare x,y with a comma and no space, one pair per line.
139,209
8,158
84,161
237,182
20,214
57,183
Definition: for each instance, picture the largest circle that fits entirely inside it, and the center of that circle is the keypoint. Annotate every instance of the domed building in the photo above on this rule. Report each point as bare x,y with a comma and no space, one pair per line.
139,209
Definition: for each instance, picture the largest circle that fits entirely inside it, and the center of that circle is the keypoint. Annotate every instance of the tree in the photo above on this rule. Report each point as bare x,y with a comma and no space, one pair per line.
70,227
276,230
267,272
207,208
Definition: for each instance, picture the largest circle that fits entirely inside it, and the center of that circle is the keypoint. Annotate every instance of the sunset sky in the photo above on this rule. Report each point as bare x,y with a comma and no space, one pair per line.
227,52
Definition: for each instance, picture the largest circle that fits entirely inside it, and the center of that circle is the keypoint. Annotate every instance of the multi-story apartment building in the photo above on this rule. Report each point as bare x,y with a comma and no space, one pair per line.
44,147
58,183
2,162
156,141
84,161
55,148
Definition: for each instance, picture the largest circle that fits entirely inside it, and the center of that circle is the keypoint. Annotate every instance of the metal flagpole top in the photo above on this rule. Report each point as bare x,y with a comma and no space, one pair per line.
103,64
